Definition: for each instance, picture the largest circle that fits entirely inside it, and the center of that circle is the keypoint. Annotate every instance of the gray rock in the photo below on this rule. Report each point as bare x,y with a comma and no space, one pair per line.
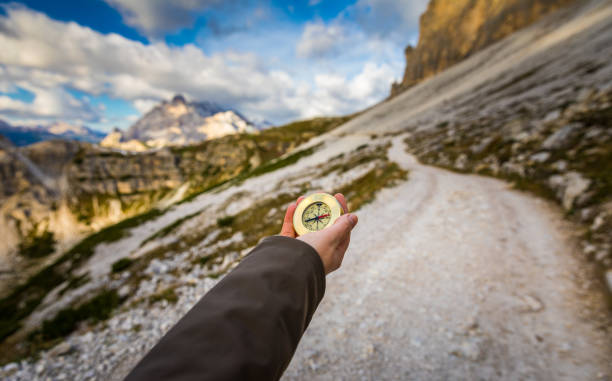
61,349
461,161
568,187
560,138
540,157
124,291
553,115
480,147
560,165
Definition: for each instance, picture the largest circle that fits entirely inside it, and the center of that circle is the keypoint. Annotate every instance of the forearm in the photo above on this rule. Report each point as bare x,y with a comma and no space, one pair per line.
249,325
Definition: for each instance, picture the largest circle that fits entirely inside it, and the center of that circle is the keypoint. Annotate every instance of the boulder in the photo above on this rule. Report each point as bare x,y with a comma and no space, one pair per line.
562,137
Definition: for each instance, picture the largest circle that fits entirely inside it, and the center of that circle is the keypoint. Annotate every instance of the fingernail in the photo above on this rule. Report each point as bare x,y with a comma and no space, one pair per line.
353,219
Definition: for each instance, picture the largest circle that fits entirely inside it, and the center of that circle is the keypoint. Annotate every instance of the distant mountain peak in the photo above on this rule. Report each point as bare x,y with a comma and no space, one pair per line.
178,98
22,136
179,122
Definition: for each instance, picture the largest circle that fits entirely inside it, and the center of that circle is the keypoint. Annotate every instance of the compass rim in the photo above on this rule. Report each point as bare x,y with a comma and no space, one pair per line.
328,199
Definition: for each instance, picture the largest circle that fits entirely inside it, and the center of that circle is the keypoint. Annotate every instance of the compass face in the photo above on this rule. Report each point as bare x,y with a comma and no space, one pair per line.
316,216
316,212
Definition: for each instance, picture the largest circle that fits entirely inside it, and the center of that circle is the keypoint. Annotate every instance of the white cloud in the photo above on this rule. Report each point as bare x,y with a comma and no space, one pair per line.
157,16
49,104
46,57
319,40
397,19
144,105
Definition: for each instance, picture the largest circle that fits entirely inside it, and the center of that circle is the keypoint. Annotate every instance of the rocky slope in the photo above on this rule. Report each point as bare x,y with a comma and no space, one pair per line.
534,109
179,122
451,30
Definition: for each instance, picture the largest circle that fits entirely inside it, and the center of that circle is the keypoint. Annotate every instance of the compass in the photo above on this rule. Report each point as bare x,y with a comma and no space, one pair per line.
315,212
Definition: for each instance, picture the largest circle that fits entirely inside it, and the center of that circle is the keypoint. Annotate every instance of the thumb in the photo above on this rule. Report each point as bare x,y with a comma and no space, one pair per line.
342,227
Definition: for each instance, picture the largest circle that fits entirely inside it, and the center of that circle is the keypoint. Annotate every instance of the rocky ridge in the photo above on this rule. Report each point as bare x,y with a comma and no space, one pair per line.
22,136
452,30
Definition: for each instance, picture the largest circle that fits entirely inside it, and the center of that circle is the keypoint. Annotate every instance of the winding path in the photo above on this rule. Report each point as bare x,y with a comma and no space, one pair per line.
454,276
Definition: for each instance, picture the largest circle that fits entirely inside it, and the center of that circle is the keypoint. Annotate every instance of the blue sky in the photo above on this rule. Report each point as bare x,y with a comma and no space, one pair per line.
104,63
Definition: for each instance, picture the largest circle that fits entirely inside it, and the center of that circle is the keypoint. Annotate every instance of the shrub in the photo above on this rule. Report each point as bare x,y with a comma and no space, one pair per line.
96,309
121,264
225,221
38,246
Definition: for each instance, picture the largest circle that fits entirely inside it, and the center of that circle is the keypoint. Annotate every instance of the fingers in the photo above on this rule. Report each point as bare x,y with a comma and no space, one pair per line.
287,229
342,227
342,201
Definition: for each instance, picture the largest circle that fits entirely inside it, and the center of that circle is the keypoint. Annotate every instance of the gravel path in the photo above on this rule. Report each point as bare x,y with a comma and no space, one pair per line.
457,277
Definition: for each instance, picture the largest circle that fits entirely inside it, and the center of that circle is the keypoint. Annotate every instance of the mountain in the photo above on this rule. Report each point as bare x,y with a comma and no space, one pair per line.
22,136
178,122
72,132
451,30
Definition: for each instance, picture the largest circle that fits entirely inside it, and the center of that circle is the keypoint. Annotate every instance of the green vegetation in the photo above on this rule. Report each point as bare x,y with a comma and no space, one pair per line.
121,265
363,189
168,295
269,146
37,246
169,228
75,282
96,309
225,221
26,297
279,163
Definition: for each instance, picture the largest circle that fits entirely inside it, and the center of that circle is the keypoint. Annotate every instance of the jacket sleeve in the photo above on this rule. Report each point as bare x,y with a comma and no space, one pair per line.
248,326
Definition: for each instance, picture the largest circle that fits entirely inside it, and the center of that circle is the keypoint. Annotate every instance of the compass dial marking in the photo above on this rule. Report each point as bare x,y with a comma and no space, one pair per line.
316,216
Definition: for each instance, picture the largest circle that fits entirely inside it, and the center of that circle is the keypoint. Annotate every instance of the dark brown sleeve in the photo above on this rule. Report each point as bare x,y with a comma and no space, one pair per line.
248,326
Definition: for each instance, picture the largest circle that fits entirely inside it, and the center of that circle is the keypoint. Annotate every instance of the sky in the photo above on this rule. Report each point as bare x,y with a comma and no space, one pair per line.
104,63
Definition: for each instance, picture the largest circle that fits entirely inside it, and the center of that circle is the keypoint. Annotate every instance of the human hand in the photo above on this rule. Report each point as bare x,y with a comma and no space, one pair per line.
330,243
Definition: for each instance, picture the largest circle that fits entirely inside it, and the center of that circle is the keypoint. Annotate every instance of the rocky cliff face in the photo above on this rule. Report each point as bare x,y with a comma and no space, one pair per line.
451,30
179,122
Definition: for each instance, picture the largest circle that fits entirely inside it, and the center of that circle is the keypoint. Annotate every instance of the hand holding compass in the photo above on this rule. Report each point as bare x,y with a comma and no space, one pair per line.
324,226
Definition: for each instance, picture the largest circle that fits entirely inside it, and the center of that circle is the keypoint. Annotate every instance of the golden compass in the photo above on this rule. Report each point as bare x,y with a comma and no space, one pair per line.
315,212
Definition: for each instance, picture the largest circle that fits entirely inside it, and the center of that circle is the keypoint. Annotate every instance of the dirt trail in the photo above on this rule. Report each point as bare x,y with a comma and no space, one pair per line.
456,277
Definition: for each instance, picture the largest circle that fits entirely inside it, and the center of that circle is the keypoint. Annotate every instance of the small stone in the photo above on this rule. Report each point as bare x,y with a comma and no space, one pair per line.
609,279
553,115
597,222
480,147
540,157
11,367
601,255
589,249
40,367
533,304
61,349
124,291
560,166
565,348
560,138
